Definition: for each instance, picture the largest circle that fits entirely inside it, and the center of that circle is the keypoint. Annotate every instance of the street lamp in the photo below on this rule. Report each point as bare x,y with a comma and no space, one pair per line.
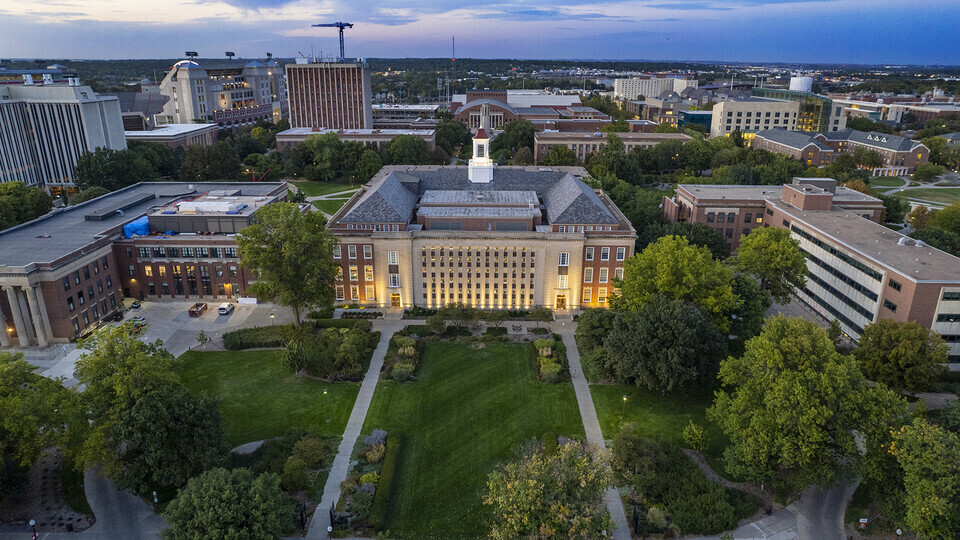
623,409
325,406
272,316
33,525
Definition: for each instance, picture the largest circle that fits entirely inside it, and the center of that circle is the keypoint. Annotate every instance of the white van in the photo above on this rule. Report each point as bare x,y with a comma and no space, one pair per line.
225,308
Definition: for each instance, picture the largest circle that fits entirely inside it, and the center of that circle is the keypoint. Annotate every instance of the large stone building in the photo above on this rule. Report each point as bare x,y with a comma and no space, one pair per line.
652,85
492,237
65,272
502,107
815,112
374,138
229,94
750,115
859,270
45,129
583,144
898,155
333,95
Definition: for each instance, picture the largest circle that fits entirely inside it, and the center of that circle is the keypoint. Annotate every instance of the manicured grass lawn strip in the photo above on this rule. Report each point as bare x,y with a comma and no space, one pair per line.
330,206
887,181
315,189
72,489
882,189
261,399
469,410
659,416
940,195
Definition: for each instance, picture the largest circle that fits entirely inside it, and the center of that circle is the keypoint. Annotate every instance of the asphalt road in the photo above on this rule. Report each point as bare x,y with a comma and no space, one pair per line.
820,513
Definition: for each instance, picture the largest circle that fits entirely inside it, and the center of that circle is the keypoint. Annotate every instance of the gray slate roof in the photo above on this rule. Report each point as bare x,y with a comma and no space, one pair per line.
882,140
793,139
567,199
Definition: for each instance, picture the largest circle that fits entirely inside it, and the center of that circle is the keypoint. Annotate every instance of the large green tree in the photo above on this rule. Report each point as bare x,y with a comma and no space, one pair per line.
112,169
747,318
116,371
169,436
515,135
229,504
666,345
793,407
772,256
409,150
20,203
551,495
697,234
559,156
674,268
290,251
948,219
930,459
902,355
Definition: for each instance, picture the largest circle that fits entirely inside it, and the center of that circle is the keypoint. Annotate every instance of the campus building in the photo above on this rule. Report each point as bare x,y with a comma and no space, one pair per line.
753,114
898,155
583,144
177,135
492,237
374,138
815,112
859,270
45,129
229,94
502,107
65,272
652,85
331,95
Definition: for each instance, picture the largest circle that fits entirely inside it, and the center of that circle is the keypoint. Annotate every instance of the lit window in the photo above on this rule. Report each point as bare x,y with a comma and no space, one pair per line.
603,275
354,292
588,275
602,295
561,282
587,294
393,257
339,292
368,273
354,275
369,293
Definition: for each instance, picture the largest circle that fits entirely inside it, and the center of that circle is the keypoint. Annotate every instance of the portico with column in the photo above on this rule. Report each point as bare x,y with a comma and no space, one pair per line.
29,316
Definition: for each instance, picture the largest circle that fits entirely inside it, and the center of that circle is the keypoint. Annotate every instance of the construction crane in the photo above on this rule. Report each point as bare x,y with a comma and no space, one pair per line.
341,26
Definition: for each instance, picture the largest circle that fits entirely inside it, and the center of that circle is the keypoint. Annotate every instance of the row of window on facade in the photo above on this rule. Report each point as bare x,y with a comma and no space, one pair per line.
90,294
564,257
375,227
97,311
223,289
582,228
367,252
86,272
199,252
731,217
188,273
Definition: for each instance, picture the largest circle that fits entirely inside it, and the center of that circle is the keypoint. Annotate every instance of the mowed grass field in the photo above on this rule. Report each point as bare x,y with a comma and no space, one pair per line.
329,206
887,181
315,189
260,398
470,409
944,196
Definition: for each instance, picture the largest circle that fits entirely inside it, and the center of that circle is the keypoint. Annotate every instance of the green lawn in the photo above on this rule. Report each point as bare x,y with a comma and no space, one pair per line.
658,416
887,181
940,195
261,399
314,189
330,206
469,409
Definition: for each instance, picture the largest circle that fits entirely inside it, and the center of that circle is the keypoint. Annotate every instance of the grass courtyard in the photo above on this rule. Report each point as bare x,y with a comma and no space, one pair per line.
944,196
329,206
887,181
469,410
260,398
315,189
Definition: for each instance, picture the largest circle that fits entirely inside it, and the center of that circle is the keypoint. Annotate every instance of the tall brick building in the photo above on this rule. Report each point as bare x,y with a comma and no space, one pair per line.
330,95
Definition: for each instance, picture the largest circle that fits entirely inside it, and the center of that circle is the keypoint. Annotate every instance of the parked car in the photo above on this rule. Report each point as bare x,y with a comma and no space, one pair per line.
225,308
197,309
135,304
138,321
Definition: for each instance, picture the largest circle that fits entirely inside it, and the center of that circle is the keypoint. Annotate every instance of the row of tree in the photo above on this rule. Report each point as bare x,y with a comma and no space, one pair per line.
939,228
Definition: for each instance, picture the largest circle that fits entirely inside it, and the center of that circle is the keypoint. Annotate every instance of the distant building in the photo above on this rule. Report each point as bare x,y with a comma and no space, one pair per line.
45,129
859,270
369,137
394,111
139,109
815,112
583,144
652,84
507,106
174,135
229,94
53,74
687,118
751,115
330,95
898,155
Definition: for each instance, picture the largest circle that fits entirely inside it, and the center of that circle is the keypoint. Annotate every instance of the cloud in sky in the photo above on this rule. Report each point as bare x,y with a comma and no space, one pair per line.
847,31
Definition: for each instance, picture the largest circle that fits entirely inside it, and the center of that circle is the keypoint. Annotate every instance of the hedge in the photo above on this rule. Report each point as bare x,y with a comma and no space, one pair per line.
335,323
382,500
257,337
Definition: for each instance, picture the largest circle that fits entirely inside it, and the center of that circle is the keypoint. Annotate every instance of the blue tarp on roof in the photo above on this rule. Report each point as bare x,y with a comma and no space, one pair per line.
139,227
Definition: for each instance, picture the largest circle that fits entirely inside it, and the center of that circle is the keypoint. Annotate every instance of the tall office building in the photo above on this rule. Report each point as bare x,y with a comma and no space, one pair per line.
228,94
45,129
652,85
329,95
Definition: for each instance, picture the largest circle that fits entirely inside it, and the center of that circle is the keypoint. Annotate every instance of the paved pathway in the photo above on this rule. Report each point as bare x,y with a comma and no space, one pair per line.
591,426
820,513
341,464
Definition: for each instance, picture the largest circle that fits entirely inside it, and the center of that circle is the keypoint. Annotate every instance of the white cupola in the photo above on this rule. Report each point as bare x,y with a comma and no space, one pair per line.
481,167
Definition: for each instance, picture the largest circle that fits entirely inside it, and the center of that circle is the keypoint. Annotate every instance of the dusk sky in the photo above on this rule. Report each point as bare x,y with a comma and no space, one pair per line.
841,31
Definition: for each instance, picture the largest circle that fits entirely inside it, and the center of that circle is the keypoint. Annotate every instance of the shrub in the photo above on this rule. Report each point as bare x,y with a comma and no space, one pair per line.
257,337
360,503
402,342
545,346
546,360
361,315
312,451
550,373
402,371
273,454
370,478
377,436
494,331
657,518
381,501
375,453
418,312
335,323
695,437
325,313
295,475
348,486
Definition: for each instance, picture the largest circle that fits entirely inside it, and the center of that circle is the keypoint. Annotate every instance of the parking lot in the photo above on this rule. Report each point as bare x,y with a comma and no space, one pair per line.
171,323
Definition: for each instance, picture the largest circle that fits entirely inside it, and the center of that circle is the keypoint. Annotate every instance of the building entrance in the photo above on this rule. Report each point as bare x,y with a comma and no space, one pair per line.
561,301
395,300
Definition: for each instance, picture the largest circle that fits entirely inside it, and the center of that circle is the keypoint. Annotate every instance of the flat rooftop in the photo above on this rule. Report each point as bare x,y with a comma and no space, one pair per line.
703,192
170,130
306,132
222,203
438,197
878,243
65,231
629,136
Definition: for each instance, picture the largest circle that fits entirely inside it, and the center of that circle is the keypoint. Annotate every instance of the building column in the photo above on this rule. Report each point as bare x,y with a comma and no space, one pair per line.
4,335
40,331
43,314
25,313
12,297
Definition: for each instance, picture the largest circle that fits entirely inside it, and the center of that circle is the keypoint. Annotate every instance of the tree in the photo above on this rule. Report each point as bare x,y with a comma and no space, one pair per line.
948,219
559,156
495,317
617,126
919,218
458,314
368,165
902,355
34,411
290,252
940,239
678,270
452,134
697,234
516,135
593,326
927,171
436,324
408,150
895,208
116,371
747,318
551,496
169,436
928,456
350,354
20,203
203,339
112,169
524,156
229,504
793,407
89,194
540,314
218,162
667,344
771,255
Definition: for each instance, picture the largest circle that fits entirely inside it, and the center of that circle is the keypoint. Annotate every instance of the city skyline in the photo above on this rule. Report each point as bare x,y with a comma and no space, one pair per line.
818,31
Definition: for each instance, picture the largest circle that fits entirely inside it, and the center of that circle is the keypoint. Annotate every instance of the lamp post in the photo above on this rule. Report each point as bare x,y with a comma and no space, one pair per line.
33,525
272,319
623,409
325,418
